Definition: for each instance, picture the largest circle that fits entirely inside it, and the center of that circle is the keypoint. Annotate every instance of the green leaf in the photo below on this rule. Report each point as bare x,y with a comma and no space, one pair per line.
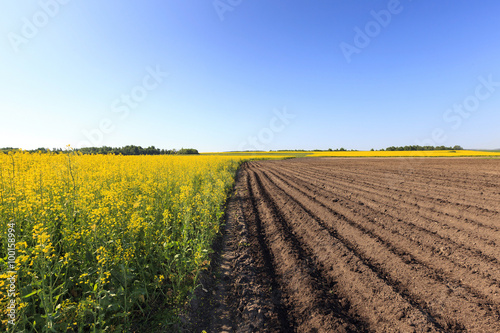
31,294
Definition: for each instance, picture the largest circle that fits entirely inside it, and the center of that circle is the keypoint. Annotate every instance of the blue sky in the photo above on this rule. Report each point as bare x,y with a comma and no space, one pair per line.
226,75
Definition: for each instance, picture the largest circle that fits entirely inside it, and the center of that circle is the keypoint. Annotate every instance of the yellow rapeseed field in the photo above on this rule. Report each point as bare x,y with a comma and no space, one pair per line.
101,239
407,153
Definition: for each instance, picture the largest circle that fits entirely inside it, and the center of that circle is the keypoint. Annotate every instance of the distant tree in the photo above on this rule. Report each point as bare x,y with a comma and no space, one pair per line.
187,151
7,149
135,150
416,147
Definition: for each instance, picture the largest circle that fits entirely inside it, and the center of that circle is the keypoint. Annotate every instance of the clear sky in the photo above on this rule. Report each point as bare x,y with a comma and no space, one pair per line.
238,74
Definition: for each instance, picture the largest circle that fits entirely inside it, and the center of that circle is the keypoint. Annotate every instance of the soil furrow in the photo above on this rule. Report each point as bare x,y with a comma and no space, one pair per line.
354,267
432,222
428,175
358,245
280,309
437,265
387,264
308,276
422,201
405,185
371,210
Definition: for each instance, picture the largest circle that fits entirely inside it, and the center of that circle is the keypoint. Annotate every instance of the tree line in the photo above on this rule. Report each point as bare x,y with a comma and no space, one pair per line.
392,148
416,147
127,150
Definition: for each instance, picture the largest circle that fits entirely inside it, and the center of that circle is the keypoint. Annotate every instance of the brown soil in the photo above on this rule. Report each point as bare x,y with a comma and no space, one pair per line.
359,245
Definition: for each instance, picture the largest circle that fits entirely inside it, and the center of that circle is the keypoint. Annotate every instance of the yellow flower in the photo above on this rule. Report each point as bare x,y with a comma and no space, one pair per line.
82,213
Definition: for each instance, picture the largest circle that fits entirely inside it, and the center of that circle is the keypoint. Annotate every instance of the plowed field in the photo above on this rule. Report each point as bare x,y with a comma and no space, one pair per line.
362,245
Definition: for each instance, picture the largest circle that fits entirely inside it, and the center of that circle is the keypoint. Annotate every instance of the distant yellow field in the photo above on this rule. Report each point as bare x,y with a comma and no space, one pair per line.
427,153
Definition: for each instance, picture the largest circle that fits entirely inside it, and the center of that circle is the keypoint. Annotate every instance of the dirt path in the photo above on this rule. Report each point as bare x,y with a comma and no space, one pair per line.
368,245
